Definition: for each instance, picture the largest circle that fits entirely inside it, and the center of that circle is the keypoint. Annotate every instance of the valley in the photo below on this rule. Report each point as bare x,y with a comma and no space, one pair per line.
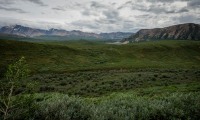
99,59
136,80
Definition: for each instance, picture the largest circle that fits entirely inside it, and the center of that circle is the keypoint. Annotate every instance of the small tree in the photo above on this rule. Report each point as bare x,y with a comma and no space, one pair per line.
10,99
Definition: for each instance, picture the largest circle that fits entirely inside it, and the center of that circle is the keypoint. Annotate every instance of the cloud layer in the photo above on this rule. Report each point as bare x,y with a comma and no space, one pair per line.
99,15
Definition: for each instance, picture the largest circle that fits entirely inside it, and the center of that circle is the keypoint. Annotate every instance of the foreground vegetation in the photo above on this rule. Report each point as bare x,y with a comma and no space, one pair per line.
95,81
117,106
122,106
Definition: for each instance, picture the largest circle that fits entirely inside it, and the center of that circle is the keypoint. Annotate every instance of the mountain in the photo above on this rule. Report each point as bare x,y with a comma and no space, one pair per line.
32,32
54,34
22,31
188,31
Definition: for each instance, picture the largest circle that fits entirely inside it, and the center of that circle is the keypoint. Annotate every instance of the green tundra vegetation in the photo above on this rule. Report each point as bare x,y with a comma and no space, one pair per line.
75,80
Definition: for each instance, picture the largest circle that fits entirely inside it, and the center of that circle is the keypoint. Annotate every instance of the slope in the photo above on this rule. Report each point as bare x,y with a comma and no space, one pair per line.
189,31
73,56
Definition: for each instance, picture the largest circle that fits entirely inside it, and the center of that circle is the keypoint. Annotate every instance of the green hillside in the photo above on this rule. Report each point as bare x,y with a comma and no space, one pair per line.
95,80
95,68
85,55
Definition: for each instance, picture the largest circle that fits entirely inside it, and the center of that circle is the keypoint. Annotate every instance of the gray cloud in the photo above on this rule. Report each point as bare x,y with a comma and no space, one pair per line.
107,21
7,2
97,5
59,8
162,9
110,14
134,28
156,7
186,19
126,4
38,2
97,8
99,16
87,12
183,10
166,1
84,23
13,9
194,3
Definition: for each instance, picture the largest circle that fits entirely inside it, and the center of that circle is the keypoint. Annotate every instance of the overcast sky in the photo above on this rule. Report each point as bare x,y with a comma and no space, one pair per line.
99,15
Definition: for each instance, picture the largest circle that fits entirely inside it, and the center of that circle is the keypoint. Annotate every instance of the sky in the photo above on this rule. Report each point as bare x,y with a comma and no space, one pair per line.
99,15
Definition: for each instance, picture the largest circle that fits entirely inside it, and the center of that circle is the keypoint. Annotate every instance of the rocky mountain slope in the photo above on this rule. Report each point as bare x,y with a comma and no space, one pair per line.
32,32
188,31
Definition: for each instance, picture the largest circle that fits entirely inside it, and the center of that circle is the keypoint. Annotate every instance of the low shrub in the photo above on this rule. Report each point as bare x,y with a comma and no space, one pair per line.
63,108
121,106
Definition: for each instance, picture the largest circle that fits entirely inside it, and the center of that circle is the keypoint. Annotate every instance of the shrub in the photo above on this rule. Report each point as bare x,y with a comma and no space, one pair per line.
13,101
174,106
155,75
47,88
63,83
64,108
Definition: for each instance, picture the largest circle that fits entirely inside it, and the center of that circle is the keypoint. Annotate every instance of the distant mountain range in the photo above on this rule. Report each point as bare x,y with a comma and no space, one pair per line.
188,31
59,34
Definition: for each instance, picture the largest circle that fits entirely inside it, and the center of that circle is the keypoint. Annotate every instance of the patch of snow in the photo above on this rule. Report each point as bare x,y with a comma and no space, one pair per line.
119,43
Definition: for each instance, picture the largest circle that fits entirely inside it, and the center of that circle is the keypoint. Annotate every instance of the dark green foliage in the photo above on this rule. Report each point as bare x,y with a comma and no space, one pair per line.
121,106
60,107
24,107
70,56
96,83
13,101
46,88
131,107
152,80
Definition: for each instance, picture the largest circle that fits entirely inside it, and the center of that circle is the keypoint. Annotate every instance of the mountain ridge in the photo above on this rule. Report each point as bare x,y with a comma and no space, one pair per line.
33,32
187,31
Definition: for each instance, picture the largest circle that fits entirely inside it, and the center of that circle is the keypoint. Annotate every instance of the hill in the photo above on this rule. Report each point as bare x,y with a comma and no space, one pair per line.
94,68
86,55
72,77
189,31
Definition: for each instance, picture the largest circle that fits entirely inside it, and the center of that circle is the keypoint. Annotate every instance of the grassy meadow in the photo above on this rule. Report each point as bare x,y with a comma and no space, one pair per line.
92,80
86,55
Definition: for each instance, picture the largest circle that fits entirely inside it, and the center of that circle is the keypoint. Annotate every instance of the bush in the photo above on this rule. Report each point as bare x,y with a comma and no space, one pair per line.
121,106
61,107
175,106
47,88
13,100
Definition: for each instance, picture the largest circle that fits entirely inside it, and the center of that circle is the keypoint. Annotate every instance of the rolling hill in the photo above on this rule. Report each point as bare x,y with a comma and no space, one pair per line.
96,77
85,55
